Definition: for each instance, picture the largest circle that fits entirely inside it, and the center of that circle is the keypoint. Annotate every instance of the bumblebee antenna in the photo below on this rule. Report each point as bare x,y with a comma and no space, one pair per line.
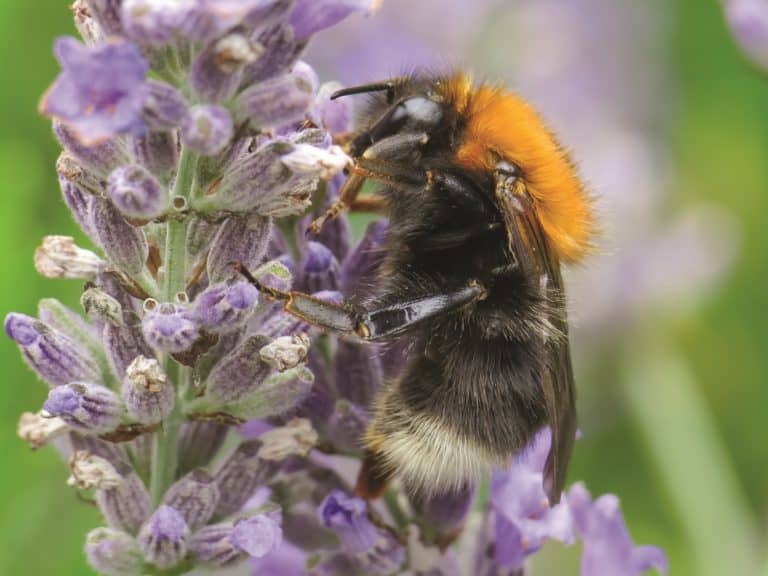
388,86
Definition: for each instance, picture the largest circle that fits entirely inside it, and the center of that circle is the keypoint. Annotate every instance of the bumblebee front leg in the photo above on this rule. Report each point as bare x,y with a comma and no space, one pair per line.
380,323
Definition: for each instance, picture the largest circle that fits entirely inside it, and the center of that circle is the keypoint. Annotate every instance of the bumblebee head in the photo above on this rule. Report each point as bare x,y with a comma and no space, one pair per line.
482,130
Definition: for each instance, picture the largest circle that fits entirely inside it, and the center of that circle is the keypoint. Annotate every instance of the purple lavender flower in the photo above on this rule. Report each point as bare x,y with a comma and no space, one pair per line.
374,547
217,71
195,496
207,129
240,475
310,16
281,100
608,548
164,108
170,327
127,506
56,358
101,90
112,552
224,544
125,245
164,537
135,192
524,519
239,239
223,307
86,407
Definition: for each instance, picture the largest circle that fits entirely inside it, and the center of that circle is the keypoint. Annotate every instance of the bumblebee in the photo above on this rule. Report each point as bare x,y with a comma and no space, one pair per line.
484,206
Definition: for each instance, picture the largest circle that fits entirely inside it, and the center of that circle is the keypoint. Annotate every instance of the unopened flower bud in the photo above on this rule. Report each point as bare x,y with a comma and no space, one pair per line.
279,53
38,429
296,438
158,152
164,108
136,193
240,475
60,257
56,358
102,158
86,25
195,496
239,239
223,308
163,538
147,394
286,351
79,204
99,305
207,129
107,14
113,553
281,100
125,245
91,471
335,115
347,425
150,23
320,269
239,373
217,70
85,406
126,506
170,328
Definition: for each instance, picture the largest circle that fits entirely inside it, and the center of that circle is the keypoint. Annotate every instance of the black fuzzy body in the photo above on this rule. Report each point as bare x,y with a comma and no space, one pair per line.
473,374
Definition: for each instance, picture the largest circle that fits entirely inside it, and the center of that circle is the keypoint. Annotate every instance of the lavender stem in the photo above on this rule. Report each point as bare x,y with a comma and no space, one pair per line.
164,447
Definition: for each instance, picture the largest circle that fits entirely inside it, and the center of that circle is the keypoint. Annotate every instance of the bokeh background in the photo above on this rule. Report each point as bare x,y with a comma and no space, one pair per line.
669,123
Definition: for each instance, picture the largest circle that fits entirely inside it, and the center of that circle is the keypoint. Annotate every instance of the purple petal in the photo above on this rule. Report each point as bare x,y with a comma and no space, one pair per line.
101,90
311,16
258,535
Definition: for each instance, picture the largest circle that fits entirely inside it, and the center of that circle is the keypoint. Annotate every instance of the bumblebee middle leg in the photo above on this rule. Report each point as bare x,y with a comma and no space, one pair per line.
378,324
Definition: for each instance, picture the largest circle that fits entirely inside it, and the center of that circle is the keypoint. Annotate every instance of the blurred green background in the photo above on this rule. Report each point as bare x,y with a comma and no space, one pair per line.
681,394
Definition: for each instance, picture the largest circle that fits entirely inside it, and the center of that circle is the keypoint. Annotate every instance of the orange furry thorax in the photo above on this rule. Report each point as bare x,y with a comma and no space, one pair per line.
502,126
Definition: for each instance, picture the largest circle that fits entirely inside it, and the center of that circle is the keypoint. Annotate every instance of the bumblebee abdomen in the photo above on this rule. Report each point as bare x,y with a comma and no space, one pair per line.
452,417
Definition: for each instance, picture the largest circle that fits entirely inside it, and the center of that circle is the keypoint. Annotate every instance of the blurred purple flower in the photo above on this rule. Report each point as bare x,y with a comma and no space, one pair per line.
748,20
608,548
374,547
311,16
101,90
524,519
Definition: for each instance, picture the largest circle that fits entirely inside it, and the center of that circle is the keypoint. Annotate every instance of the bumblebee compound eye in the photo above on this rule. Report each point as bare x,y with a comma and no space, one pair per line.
418,115
418,111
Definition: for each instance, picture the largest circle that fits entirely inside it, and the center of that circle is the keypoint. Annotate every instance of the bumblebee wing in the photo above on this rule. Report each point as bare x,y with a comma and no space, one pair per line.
529,246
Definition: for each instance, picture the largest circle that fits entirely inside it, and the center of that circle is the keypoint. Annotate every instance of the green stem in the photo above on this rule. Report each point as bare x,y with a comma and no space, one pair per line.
164,446
165,441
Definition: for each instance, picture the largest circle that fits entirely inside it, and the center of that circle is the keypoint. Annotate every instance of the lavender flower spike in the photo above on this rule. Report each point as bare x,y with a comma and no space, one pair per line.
281,100
608,548
86,407
113,553
101,90
56,358
163,538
